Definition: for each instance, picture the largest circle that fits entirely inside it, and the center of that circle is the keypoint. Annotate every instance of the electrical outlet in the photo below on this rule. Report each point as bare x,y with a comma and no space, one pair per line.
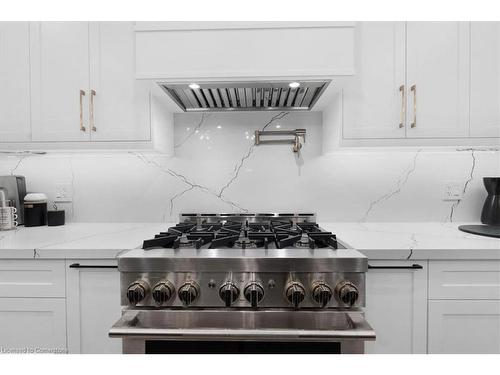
452,191
63,192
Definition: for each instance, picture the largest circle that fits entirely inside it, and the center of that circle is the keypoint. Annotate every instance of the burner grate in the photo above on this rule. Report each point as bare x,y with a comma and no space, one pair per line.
272,232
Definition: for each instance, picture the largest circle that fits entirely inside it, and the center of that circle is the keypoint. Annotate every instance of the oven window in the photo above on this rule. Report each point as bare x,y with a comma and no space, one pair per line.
241,347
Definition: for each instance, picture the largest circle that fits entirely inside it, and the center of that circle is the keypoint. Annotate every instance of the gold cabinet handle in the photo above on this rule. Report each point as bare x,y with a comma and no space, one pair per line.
92,123
82,127
403,106
414,90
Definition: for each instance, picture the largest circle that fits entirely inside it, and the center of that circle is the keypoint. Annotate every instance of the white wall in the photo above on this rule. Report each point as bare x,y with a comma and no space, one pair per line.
342,185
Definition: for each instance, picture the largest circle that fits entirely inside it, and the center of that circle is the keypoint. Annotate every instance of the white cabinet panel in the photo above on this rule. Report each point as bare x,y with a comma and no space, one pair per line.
15,82
59,70
485,79
202,52
93,305
32,278
35,324
467,327
373,102
474,279
438,66
120,109
396,307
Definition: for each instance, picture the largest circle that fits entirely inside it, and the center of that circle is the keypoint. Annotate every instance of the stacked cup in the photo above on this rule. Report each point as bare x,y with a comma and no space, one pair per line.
8,213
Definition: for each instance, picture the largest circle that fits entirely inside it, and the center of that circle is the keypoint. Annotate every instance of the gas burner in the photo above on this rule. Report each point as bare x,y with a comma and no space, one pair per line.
304,241
245,243
186,245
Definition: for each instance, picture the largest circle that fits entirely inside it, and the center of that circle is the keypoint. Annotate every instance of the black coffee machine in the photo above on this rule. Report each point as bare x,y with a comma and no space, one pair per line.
490,216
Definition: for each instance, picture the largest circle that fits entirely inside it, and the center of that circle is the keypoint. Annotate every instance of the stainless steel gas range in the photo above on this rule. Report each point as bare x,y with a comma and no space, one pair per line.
243,283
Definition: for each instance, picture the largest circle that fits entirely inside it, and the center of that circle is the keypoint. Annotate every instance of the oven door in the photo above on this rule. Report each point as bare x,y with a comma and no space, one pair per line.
242,331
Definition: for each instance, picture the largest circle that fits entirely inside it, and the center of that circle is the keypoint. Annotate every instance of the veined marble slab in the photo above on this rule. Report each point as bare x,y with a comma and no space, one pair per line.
415,240
375,240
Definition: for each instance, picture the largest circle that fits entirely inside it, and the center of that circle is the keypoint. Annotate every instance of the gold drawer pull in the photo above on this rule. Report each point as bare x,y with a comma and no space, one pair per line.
414,90
403,106
82,127
92,123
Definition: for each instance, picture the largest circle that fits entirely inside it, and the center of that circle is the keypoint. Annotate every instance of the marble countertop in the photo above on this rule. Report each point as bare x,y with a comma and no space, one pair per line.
415,240
375,240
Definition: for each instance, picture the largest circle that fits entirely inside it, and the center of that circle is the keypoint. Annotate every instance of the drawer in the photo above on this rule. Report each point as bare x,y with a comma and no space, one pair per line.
32,278
33,325
472,279
464,327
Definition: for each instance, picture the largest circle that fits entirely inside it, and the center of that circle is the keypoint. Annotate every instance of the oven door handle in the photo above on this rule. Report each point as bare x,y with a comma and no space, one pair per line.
412,267
78,265
128,327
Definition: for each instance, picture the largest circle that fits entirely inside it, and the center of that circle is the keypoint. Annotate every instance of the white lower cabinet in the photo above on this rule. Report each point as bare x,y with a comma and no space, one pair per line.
396,306
468,327
32,306
93,305
32,325
464,306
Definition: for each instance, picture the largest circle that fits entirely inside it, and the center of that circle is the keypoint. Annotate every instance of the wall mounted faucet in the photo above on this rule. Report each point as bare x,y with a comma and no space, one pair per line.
298,137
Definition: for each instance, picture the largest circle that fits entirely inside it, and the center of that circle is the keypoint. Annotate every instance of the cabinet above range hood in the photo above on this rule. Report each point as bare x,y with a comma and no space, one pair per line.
246,95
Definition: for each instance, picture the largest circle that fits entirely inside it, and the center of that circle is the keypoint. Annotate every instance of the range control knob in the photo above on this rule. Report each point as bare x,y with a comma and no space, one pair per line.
347,293
229,293
163,291
189,292
137,291
254,293
321,293
295,293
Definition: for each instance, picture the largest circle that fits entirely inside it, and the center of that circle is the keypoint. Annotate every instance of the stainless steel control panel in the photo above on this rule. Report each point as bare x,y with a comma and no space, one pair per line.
243,289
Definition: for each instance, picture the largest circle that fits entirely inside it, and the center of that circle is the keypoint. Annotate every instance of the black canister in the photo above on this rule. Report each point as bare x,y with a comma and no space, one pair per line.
491,208
55,218
35,210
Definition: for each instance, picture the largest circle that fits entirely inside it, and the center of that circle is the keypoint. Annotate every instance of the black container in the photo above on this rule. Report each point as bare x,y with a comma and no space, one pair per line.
35,210
491,208
55,218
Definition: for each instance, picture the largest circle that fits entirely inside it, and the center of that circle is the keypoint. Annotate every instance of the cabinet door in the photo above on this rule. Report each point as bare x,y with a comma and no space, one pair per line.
373,102
93,305
396,308
467,327
438,69
59,70
33,324
120,111
485,79
15,82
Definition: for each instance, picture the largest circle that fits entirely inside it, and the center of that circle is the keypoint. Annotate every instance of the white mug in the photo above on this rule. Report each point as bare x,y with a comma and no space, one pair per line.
8,218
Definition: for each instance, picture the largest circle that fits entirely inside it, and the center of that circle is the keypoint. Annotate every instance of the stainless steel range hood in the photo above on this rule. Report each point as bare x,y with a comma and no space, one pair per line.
246,95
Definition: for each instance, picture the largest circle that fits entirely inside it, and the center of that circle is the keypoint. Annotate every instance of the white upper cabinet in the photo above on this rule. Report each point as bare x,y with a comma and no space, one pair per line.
485,79
373,101
414,81
15,82
120,109
243,49
59,71
83,85
438,79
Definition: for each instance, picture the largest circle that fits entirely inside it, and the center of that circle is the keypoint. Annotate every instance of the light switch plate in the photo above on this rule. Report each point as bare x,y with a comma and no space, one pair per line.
452,191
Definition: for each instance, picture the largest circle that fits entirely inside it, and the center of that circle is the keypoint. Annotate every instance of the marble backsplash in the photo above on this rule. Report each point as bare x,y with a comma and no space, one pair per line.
216,168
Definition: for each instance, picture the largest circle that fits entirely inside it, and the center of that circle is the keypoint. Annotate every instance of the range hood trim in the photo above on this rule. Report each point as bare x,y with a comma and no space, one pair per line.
233,95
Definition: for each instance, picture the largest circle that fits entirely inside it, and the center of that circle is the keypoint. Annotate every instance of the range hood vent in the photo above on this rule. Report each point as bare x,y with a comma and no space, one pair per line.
246,96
